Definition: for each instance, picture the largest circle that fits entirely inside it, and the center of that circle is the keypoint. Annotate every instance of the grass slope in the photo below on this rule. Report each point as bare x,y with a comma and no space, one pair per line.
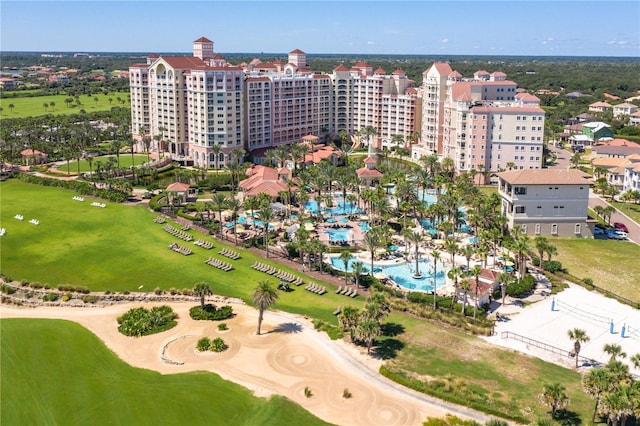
120,248
125,161
612,265
63,374
33,106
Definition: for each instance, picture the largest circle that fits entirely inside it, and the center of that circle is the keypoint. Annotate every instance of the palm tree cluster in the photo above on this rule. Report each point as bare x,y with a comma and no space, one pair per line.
615,391
364,325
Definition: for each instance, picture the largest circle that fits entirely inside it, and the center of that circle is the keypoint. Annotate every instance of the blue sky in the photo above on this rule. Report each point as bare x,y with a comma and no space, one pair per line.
545,28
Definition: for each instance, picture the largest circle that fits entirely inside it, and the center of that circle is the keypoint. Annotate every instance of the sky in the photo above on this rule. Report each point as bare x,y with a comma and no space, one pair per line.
418,27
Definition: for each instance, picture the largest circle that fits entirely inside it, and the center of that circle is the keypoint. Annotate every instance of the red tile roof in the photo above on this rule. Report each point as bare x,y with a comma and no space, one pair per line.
443,68
298,51
546,177
184,62
203,40
178,187
368,173
341,68
370,160
398,72
31,151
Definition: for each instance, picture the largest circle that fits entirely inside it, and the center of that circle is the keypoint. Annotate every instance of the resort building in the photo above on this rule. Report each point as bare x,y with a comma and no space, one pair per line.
548,202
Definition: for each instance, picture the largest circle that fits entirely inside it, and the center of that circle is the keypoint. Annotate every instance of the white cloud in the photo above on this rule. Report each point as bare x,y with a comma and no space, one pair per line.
371,42
445,40
611,42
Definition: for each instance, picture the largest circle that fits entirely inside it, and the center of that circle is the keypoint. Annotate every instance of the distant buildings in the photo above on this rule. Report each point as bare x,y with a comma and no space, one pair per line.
200,108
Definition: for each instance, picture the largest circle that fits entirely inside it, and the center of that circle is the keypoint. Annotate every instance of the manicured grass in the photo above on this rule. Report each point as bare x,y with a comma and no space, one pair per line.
57,372
508,380
33,106
125,161
630,209
119,248
612,265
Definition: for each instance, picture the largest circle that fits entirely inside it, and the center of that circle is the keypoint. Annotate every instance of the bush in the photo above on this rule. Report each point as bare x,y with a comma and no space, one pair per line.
142,322
553,266
218,345
7,289
211,313
89,299
521,287
223,327
51,297
204,344
158,291
66,297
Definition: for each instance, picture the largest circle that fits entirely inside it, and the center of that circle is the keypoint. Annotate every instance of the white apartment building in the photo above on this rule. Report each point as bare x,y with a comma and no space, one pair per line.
548,202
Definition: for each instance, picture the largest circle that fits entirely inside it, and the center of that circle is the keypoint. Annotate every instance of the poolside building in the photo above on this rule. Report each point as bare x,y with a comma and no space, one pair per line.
548,202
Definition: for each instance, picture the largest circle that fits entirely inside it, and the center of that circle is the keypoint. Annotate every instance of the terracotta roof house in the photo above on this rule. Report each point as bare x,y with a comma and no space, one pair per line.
369,174
180,189
634,119
624,109
486,284
33,156
600,106
547,201
263,179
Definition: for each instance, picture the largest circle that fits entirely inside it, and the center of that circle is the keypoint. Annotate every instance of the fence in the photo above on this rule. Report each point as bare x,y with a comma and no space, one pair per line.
546,347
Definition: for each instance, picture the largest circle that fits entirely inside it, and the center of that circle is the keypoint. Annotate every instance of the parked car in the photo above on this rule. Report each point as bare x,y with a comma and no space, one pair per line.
621,226
616,234
598,231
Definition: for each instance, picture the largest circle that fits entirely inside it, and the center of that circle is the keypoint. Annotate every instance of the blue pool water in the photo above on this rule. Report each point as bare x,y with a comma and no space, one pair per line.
311,205
338,234
364,226
260,224
344,220
242,219
345,207
402,273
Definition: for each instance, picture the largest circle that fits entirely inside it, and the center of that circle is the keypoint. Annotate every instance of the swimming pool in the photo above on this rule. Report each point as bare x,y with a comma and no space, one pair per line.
338,234
364,226
402,273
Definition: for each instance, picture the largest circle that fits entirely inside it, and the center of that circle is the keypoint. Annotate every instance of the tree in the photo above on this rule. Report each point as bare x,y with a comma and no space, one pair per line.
504,279
595,384
263,297
436,256
614,351
475,271
465,286
215,149
266,215
367,331
371,243
52,104
635,360
555,397
234,205
415,238
357,270
219,202
345,256
454,275
349,319
202,289
11,107
578,336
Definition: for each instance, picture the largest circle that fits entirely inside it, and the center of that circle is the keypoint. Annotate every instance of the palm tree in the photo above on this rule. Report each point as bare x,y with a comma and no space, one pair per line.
345,256
263,297
614,351
454,274
266,215
202,289
357,270
635,360
465,286
475,271
219,203
216,156
415,238
578,336
504,279
234,205
541,245
555,397
595,383
436,256
367,331
371,243
349,319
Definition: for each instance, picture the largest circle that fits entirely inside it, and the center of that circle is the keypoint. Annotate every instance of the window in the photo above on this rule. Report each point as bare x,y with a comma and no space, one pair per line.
520,209
524,229
577,228
520,190
554,229
537,229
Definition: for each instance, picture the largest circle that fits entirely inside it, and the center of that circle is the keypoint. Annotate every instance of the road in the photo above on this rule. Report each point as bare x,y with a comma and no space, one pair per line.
634,228
564,158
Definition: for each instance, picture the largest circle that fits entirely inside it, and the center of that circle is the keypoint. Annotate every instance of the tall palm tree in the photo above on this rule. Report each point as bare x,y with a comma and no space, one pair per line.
349,319
266,215
216,156
219,203
454,275
345,256
436,256
371,243
234,205
578,336
504,278
415,238
475,271
595,384
367,331
465,286
357,270
263,296
202,289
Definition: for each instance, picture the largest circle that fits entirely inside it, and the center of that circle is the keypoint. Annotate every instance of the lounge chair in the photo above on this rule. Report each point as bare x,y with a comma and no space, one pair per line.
339,290
337,311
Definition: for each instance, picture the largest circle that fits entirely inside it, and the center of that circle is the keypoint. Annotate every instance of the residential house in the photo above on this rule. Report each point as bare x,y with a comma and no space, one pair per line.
600,106
597,130
631,178
634,119
33,156
547,201
615,168
485,285
624,109
620,151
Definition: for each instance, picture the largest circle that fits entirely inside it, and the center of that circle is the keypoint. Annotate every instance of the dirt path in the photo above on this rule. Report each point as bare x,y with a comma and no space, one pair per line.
289,356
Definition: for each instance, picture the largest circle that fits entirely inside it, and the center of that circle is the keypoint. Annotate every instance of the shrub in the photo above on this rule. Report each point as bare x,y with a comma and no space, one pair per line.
521,287
89,299
307,392
142,322
173,291
218,345
157,291
204,344
7,289
223,327
553,266
346,394
51,297
211,313
66,297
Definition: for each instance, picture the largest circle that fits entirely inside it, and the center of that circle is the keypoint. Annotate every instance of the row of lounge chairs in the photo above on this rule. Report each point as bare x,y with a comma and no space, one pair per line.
180,249
159,219
315,288
216,263
204,244
346,291
230,254
284,276
178,233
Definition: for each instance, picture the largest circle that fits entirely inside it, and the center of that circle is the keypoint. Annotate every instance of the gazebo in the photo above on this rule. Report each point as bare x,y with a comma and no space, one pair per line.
181,190
33,156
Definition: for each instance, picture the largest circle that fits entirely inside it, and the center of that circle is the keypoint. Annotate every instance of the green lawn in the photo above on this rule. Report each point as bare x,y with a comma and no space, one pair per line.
612,265
630,209
57,372
125,161
33,106
508,380
119,248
